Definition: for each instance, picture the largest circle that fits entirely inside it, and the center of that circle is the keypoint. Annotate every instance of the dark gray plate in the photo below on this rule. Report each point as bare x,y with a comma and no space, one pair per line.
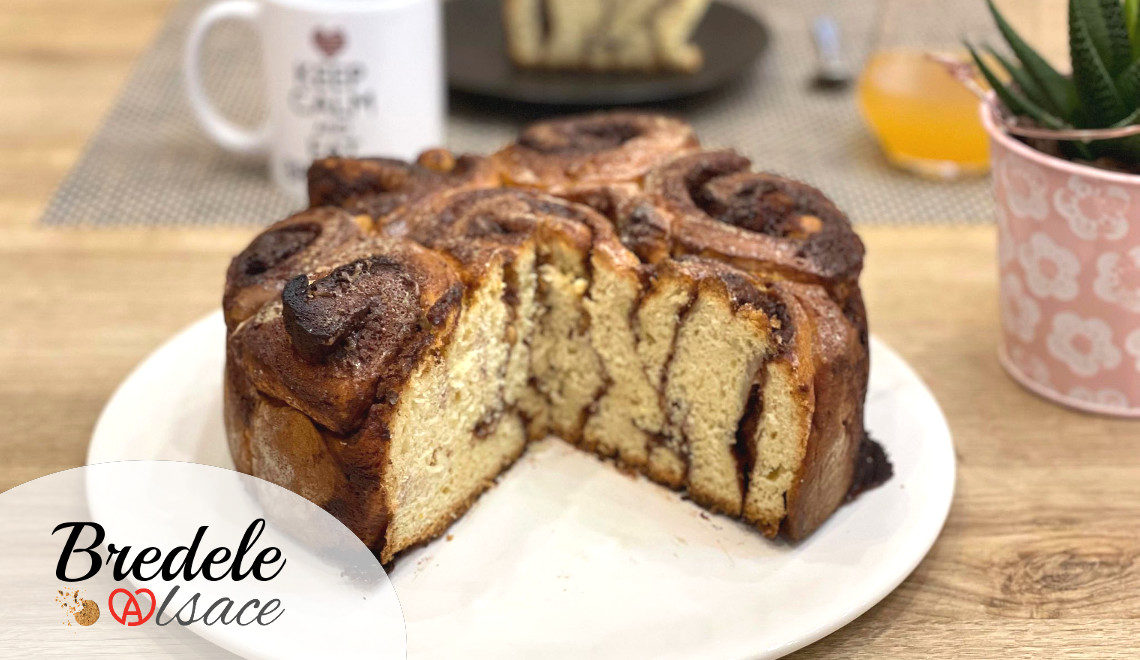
477,61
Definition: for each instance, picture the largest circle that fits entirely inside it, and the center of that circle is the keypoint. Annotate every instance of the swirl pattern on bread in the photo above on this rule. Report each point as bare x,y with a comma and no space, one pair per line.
559,155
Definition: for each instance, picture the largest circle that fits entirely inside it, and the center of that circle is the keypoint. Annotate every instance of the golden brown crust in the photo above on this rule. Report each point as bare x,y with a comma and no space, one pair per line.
239,398
378,305
559,155
497,216
740,288
285,446
641,226
379,187
713,204
297,244
840,376
468,223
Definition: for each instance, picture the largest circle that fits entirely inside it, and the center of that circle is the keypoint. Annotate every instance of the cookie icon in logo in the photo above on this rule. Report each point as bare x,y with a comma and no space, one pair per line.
83,611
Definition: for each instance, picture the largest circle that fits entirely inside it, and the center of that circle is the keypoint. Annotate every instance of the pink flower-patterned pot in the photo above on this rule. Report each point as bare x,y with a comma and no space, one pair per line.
1069,262
1068,245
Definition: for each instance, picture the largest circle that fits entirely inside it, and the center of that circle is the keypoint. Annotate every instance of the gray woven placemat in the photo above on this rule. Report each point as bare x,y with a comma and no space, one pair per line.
150,165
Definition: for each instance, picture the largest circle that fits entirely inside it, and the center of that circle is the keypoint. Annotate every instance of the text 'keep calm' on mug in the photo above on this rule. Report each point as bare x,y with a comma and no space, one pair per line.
344,77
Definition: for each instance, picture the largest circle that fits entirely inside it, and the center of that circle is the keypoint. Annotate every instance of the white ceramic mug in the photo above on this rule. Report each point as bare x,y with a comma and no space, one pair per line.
346,77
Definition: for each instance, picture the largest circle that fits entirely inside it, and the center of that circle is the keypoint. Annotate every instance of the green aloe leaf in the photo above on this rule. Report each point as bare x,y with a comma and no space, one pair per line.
1132,20
1128,83
1120,46
1129,120
1125,150
1103,21
1027,84
1094,83
1060,89
1129,150
1094,27
1014,100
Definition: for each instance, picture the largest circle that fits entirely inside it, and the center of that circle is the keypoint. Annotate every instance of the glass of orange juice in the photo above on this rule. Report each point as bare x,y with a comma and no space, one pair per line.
925,120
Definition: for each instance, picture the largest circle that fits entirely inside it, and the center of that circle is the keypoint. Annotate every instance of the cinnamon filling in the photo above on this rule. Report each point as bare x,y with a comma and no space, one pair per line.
763,204
319,316
872,468
274,247
744,449
579,136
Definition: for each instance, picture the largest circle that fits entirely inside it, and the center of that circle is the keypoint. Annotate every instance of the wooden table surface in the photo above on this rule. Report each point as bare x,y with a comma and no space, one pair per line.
1040,556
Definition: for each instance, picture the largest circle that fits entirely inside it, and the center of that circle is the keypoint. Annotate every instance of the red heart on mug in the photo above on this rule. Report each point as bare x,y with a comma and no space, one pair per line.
131,607
328,42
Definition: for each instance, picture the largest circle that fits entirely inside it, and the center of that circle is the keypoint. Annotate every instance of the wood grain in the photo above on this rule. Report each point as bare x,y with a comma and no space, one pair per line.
1040,556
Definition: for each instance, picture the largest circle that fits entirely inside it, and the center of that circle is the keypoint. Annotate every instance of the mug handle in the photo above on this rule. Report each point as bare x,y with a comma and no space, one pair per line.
227,134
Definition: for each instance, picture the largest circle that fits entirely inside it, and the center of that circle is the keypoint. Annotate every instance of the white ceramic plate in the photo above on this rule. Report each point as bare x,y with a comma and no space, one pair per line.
568,557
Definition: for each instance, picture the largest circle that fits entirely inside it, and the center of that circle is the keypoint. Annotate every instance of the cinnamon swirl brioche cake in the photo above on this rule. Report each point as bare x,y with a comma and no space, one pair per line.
392,350
604,35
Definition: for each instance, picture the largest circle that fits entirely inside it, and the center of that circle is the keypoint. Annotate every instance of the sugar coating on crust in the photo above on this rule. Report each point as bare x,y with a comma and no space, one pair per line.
559,155
713,202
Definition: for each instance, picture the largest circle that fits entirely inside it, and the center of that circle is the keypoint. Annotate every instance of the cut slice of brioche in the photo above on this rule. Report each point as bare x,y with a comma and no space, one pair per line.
451,433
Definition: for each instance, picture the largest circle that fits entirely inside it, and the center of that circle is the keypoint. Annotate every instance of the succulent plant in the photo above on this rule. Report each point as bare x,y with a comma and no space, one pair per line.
1103,90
